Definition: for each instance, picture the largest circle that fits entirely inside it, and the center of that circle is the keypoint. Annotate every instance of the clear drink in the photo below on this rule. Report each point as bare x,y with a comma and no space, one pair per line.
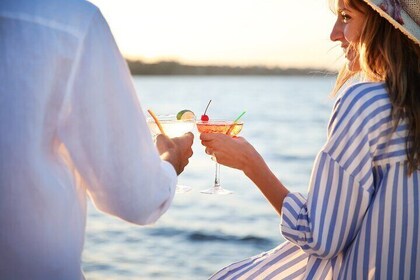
173,128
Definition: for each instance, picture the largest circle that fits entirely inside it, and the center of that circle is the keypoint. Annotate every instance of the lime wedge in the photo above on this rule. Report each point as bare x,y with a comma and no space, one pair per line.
185,115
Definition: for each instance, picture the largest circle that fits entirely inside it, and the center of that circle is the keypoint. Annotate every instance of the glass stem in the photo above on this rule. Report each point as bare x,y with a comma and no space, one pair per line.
217,176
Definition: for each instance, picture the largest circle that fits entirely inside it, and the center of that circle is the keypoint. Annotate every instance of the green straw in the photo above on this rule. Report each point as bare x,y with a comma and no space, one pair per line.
234,123
240,116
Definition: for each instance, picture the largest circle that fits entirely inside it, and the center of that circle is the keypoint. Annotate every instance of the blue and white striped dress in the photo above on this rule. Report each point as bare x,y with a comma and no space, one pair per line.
361,218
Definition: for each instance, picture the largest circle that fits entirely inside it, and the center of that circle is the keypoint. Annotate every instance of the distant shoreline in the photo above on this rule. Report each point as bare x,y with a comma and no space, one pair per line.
164,68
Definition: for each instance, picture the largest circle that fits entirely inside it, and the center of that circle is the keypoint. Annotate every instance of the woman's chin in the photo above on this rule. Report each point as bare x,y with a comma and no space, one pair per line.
353,66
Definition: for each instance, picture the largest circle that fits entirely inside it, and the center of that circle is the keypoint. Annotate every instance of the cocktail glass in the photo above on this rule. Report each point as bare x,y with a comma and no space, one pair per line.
173,128
219,126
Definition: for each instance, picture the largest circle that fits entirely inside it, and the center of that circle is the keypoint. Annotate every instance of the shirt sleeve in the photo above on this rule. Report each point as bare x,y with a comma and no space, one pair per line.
104,130
341,185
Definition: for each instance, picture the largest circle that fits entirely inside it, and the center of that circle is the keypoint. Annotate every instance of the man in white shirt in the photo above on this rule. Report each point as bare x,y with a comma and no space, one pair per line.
71,127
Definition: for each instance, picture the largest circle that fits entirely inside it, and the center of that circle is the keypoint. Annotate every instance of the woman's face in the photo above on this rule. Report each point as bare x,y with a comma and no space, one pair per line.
346,30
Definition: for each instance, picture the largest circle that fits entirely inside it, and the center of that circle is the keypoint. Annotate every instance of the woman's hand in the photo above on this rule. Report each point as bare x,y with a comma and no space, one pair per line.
234,152
237,153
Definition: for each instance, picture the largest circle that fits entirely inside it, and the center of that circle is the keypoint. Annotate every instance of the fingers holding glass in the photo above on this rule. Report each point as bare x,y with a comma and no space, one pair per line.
179,130
222,127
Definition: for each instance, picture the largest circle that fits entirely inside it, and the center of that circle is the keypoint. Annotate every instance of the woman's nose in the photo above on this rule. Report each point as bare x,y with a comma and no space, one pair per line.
336,32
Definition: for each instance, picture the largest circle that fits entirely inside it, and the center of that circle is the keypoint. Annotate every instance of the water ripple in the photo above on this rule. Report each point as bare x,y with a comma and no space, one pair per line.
214,237
202,236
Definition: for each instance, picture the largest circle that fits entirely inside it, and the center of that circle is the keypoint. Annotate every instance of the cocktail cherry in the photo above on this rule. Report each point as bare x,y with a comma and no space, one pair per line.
204,117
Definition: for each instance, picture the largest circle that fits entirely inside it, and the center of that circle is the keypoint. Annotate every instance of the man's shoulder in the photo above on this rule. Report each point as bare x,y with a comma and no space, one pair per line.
72,15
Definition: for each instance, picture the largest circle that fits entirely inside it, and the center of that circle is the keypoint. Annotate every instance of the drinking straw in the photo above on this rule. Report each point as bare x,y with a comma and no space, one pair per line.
156,121
234,123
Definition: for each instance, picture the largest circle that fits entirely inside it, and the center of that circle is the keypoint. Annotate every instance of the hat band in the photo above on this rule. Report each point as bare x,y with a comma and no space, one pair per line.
392,8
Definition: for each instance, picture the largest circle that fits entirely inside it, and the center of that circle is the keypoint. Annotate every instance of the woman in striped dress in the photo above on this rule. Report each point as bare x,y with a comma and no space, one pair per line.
361,217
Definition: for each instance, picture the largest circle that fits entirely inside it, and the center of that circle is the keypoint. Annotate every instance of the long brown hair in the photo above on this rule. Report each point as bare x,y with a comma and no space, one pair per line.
386,54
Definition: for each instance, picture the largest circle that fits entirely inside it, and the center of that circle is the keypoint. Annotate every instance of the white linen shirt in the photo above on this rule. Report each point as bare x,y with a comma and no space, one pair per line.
70,126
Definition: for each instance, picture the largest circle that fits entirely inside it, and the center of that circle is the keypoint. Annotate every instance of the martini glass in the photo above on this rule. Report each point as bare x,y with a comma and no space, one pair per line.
173,128
219,126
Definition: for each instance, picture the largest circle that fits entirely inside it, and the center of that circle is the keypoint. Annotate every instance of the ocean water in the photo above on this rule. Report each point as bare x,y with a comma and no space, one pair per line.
286,119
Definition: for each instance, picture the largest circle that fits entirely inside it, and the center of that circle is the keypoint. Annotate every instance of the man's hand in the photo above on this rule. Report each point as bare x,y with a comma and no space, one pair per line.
176,150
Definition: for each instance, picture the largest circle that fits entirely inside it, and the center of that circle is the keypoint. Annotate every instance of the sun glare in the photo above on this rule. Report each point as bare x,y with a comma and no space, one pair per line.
235,32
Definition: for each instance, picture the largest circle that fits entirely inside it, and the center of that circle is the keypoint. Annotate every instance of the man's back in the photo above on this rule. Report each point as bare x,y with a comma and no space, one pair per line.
38,45
67,112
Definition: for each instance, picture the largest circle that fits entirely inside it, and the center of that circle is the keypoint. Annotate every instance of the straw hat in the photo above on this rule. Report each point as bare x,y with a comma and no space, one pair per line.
402,14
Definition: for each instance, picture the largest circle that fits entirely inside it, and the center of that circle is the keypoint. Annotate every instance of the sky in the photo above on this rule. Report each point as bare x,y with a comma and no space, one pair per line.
273,33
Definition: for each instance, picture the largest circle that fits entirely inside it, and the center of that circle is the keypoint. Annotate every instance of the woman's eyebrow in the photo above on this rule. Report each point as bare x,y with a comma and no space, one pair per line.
340,10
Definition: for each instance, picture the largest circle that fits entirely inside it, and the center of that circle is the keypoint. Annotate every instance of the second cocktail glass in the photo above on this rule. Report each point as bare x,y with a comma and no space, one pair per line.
173,128
219,126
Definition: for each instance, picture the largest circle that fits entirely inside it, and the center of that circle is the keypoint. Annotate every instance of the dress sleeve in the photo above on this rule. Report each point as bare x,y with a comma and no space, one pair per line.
103,128
341,185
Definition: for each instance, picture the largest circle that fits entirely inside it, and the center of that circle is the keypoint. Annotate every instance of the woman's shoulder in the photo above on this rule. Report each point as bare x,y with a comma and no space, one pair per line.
362,103
362,91
362,95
